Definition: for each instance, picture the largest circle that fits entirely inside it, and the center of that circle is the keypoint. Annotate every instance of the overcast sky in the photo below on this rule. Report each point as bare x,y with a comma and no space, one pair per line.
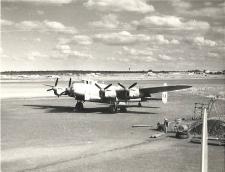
112,35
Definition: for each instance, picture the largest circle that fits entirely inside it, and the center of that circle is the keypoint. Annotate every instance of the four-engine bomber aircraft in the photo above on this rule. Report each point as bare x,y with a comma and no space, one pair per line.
118,97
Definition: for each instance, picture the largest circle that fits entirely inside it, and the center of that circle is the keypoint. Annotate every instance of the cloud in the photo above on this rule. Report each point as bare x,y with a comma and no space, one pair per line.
82,39
40,12
42,1
29,25
142,59
34,55
59,27
160,39
45,26
120,38
63,48
174,41
220,30
140,55
80,54
207,11
136,52
132,59
213,54
165,57
38,39
195,25
76,39
125,38
54,25
222,4
205,8
65,51
139,6
201,41
109,21
181,5
6,22
123,59
171,22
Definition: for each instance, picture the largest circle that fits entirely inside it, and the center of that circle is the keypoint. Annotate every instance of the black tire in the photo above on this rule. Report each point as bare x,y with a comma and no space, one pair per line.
113,109
123,109
79,106
139,104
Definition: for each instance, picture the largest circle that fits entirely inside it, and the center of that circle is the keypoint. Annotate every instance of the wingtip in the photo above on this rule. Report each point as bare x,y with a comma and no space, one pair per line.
188,86
185,86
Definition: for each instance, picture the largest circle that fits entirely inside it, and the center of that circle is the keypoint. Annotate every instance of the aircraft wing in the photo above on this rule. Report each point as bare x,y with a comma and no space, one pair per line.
151,90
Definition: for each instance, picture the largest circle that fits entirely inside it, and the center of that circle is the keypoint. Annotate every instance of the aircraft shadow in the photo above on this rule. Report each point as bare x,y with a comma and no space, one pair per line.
69,109
53,109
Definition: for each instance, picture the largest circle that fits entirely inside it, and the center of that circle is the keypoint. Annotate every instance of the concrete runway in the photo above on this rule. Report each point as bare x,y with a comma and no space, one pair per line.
44,134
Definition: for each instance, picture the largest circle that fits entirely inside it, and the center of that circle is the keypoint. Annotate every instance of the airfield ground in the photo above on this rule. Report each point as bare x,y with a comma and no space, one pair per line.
44,134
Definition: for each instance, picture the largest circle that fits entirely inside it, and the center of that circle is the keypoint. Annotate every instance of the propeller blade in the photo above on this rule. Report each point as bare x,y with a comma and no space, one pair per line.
56,82
63,93
107,86
98,86
49,89
132,85
122,86
70,81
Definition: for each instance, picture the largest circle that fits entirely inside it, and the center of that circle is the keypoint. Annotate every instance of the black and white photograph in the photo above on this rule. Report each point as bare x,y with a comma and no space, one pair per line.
112,86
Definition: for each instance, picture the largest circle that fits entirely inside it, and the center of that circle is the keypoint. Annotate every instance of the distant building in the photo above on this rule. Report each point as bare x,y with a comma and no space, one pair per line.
207,71
151,74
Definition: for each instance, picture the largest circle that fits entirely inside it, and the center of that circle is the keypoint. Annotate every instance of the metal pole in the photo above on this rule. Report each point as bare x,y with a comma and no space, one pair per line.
204,143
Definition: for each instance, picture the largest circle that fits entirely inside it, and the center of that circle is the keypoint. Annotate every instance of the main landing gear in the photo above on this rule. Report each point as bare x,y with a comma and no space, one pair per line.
123,109
139,104
79,106
113,108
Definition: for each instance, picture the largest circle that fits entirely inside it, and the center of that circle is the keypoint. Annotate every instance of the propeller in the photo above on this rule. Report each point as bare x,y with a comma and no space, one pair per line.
67,90
131,86
53,88
102,90
70,81
127,90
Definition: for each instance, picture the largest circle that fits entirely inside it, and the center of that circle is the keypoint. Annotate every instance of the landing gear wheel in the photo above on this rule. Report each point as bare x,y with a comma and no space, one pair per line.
139,104
123,109
79,106
113,108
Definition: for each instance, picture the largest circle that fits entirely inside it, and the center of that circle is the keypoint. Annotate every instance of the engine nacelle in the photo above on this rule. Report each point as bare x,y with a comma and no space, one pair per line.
110,93
134,92
59,90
